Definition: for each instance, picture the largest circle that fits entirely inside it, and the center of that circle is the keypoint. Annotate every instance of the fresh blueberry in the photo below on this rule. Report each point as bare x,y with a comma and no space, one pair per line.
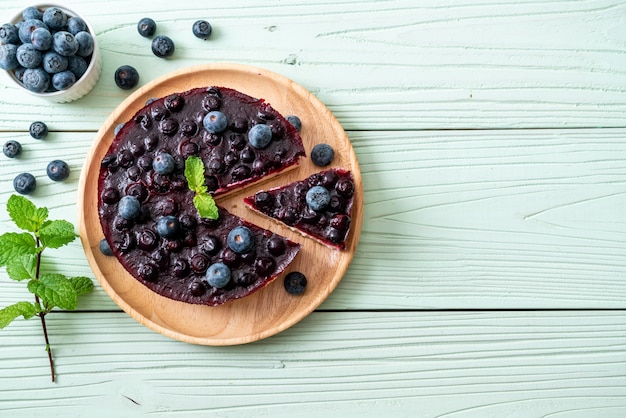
218,275
27,27
41,38
63,80
38,130
146,27
19,73
163,46
8,34
215,122
24,183
65,43
163,163
295,122
85,44
317,198
201,29
118,128
12,148
126,77
55,18
75,24
105,248
260,136
168,227
322,155
58,170
295,283
240,239
77,65
8,57
128,207
32,13
28,56
36,80
55,63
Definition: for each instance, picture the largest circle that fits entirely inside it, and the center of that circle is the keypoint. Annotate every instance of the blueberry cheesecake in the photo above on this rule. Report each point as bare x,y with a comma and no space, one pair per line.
319,206
153,207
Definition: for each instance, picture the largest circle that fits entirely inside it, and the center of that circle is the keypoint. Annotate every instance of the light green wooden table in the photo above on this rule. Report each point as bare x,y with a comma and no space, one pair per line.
490,278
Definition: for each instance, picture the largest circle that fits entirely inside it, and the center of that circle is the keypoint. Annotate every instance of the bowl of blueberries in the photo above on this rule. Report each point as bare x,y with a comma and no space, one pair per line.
52,52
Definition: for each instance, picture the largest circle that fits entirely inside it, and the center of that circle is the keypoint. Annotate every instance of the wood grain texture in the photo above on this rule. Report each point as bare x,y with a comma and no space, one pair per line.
455,64
489,219
533,364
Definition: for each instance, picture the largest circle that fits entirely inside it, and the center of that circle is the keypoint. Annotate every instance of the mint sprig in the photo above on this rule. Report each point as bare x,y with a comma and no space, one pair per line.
203,201
21,252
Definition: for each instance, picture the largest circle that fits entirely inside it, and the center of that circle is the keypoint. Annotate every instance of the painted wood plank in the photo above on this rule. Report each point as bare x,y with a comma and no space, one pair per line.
378,64
442,364
453,219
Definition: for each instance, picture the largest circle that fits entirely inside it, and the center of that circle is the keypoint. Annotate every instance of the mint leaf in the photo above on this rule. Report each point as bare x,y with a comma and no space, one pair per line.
24,213
22,268
14,244
206,206
55,290
56,234
82,285
11,312
194,173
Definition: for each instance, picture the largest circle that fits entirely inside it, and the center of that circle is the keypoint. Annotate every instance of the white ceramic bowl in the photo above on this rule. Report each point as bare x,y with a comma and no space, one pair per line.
84,84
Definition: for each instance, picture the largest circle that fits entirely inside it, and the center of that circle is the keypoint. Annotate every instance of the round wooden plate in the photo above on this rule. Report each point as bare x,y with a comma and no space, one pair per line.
271,309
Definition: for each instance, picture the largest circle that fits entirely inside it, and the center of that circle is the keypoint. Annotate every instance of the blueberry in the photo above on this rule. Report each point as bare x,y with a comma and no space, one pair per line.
19,73
215,122
24,183
85,44
105,248
63,80
77,65
54,63
75,24
36,80
295,122
65,43
162,46
8,57
118,128
38,130
41,39
126,77
322,155
201,29
260,136
163,163
58,170
317,198
55,18
28,56
32,13
129,207
295,283
8,34
146,27
169,227
27,27
240,239
12,148
218,275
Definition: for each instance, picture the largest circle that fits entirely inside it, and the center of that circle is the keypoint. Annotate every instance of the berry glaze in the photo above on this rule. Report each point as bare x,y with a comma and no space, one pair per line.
175,267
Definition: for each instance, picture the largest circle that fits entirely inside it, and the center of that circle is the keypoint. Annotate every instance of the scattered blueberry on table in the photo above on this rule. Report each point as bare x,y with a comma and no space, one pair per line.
24,183
322,155
163,46
146,27
12,149
201,29
38,130
58,170
295,283
126,77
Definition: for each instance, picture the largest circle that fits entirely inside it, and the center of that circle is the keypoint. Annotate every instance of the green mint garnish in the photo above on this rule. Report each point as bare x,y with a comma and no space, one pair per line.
21,252
203,201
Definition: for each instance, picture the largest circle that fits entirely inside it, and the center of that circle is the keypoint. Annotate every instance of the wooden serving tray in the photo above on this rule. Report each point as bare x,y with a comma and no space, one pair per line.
271,309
